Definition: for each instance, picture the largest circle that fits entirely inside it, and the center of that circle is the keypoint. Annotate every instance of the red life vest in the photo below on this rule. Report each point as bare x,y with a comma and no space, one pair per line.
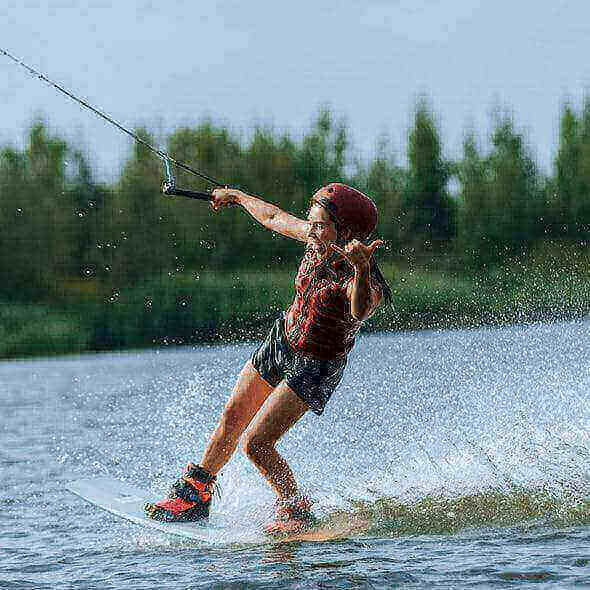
319,321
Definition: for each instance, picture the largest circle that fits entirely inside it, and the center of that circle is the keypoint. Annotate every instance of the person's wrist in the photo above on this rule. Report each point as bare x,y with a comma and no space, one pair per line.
238,198
362,268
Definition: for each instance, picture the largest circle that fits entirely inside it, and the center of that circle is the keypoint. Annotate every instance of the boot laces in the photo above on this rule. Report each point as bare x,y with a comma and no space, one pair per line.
298,508
211,486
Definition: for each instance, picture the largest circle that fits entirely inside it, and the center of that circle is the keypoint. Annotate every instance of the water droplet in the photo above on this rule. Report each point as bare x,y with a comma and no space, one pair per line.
108,268
19,211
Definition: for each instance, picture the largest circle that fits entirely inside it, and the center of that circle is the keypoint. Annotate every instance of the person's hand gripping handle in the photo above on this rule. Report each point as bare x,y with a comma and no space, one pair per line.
225,197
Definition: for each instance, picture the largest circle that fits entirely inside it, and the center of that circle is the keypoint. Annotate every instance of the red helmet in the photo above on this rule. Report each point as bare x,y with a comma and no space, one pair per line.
350,208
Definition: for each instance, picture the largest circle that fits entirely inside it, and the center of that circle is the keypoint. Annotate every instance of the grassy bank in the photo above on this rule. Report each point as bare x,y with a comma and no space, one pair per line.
214,307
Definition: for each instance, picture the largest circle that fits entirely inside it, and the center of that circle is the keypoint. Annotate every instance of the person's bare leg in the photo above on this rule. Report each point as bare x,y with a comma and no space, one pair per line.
282,411
249,393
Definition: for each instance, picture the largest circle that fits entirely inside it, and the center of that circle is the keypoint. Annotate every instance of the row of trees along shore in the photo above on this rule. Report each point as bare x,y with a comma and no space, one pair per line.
88,265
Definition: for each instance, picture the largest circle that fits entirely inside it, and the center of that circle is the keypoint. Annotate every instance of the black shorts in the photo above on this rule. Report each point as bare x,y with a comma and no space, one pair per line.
312,379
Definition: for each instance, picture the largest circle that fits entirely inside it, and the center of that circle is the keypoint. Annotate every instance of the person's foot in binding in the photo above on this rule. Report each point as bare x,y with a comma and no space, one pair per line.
189,498
292,516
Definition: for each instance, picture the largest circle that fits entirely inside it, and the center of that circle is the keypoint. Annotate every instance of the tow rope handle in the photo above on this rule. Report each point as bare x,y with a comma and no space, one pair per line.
170,189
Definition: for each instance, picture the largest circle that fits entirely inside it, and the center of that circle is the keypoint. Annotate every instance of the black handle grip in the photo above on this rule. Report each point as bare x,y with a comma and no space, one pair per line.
171,191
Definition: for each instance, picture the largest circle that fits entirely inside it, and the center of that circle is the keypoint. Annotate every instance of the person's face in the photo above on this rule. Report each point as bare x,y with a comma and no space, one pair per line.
322,230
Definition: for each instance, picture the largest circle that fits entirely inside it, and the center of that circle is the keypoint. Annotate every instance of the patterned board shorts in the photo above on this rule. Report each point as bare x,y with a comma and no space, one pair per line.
312,379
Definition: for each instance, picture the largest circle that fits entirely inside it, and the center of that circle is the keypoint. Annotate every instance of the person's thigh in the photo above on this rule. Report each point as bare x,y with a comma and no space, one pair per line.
248,395
283,410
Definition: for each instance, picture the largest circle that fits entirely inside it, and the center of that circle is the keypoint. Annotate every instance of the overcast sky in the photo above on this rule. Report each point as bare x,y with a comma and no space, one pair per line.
242,62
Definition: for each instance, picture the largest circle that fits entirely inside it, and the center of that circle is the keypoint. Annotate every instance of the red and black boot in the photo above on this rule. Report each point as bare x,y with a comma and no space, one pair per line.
292,516
188,500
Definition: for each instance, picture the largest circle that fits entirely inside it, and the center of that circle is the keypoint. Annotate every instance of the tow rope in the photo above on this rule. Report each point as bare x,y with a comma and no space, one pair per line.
169,187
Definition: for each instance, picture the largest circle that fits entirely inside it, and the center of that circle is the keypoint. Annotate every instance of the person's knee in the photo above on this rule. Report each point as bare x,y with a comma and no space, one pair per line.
254,446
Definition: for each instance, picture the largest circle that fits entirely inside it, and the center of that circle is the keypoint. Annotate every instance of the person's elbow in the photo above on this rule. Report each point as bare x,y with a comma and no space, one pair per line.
360,312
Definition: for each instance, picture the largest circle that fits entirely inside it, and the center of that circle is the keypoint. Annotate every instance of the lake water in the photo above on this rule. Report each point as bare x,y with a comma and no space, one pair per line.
465,452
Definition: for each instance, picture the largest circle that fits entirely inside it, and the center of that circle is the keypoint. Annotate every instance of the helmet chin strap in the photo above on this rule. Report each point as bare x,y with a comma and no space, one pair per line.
342,240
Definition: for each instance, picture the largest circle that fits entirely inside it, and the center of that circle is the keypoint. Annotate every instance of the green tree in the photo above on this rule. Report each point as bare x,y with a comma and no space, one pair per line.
201,236
87,200
515,189
141,233
271,161
570,198
427,206
37,217
383,180
322,155
476,215
502,197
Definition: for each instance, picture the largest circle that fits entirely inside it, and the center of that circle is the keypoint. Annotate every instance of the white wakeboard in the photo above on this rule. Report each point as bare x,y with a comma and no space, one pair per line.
127,502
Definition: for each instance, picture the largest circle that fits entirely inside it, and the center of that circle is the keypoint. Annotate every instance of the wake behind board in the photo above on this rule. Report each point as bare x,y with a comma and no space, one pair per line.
127,501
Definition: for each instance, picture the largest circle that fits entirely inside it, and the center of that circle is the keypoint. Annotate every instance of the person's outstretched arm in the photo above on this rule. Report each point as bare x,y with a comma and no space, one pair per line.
269,215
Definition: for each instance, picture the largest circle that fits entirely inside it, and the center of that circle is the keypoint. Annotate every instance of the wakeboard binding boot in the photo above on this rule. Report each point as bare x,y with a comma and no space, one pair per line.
189,498
292,516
